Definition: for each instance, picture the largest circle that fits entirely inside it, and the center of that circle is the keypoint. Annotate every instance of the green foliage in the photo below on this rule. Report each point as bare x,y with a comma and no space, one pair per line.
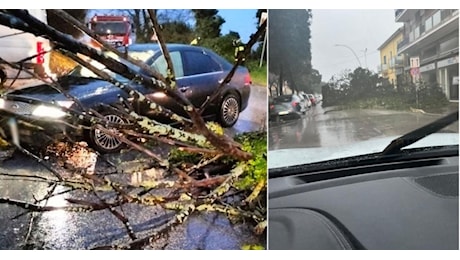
65,27
175,24
315,81
215,127
364,89
177,32
222,45
289,46
177,155
431,97
142,25
3,144
258,74
208,23
255,170
253,247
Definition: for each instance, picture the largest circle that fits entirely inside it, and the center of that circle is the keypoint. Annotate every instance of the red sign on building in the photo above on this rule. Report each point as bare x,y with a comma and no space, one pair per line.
415,71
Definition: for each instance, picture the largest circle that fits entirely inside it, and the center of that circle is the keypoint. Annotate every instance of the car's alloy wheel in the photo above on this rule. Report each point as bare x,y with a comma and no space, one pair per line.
229,110
104,142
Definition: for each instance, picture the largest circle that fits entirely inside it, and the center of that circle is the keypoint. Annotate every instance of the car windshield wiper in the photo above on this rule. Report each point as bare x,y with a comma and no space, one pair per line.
397,144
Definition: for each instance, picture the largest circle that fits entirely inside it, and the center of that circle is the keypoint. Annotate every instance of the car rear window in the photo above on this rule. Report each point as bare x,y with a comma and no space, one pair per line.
199,63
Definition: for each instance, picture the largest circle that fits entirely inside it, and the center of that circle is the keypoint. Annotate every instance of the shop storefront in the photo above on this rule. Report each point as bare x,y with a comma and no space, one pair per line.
428,73
448,77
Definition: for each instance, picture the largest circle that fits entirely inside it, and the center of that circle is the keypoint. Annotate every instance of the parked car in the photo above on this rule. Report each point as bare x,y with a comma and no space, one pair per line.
306,99
319,98
199,72
281,112
312,99
295,101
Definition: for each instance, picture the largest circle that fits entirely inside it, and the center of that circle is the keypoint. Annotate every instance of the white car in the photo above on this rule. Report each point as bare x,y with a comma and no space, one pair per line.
307,100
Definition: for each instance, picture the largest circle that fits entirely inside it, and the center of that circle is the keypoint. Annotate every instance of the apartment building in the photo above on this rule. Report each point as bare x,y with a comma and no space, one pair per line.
430,47
390,61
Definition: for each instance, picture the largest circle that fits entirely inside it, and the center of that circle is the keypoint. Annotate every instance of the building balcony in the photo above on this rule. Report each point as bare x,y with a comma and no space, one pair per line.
399,13
404,15
396,61
403,43
445,27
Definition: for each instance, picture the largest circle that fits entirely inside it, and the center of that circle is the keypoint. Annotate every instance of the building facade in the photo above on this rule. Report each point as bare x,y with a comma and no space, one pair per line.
430,47
390,61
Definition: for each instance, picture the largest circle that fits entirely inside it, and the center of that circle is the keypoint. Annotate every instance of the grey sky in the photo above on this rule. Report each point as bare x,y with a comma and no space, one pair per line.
357,29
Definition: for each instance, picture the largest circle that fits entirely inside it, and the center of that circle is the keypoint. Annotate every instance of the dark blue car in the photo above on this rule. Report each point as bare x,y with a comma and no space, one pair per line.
198,71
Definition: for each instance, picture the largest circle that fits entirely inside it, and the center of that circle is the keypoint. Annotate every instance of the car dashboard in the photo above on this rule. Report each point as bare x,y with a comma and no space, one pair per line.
400,205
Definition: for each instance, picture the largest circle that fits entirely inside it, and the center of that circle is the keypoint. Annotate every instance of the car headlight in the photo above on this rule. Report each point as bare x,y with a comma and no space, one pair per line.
159,95
2,103
65,103
48,111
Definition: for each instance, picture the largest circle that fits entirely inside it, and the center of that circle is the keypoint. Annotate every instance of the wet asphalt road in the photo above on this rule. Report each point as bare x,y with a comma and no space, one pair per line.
67,230
326,127
254,117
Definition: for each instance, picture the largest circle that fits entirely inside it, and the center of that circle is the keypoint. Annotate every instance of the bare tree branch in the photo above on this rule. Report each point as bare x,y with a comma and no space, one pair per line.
247,50
171,76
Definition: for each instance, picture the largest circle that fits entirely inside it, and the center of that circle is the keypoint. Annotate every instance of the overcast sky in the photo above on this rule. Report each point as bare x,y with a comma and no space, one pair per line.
357,29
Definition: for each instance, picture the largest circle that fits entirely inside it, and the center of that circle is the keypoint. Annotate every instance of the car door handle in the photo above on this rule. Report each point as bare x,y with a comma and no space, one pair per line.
183,89
220,81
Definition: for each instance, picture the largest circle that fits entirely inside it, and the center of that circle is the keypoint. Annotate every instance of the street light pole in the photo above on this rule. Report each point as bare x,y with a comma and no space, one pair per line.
365,57
354,53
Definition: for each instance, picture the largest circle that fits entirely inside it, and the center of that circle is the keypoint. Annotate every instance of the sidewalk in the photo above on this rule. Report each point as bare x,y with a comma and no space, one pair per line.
449,108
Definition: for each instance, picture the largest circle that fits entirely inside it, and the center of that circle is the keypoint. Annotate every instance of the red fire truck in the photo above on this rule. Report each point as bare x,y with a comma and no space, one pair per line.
114,29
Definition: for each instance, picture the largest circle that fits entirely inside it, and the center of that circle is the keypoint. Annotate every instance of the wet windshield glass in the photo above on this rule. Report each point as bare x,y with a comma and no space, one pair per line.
106,28
354,76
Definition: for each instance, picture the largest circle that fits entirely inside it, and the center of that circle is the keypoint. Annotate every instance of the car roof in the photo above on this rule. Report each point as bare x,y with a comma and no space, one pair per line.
156,47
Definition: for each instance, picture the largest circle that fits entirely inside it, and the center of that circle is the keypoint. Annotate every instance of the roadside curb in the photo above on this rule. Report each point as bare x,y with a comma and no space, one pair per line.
332,109
421,111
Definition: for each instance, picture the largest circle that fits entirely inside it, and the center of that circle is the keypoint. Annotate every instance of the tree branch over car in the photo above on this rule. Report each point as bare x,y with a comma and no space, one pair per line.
202,161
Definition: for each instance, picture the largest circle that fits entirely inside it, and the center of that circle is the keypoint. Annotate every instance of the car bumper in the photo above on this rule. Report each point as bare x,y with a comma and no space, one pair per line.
284,116
245,93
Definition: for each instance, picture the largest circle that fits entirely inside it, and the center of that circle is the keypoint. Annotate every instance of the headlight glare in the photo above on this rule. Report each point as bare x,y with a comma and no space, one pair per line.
48,111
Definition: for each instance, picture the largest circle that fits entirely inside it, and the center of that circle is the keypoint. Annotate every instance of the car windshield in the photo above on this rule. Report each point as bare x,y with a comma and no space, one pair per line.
142,55
365,77
107,28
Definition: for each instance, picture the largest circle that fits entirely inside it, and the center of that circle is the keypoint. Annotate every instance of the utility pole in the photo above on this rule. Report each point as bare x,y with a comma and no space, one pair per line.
262,19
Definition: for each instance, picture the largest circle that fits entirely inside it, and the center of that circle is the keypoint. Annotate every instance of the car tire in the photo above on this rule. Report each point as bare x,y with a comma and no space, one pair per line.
104,143
229,110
